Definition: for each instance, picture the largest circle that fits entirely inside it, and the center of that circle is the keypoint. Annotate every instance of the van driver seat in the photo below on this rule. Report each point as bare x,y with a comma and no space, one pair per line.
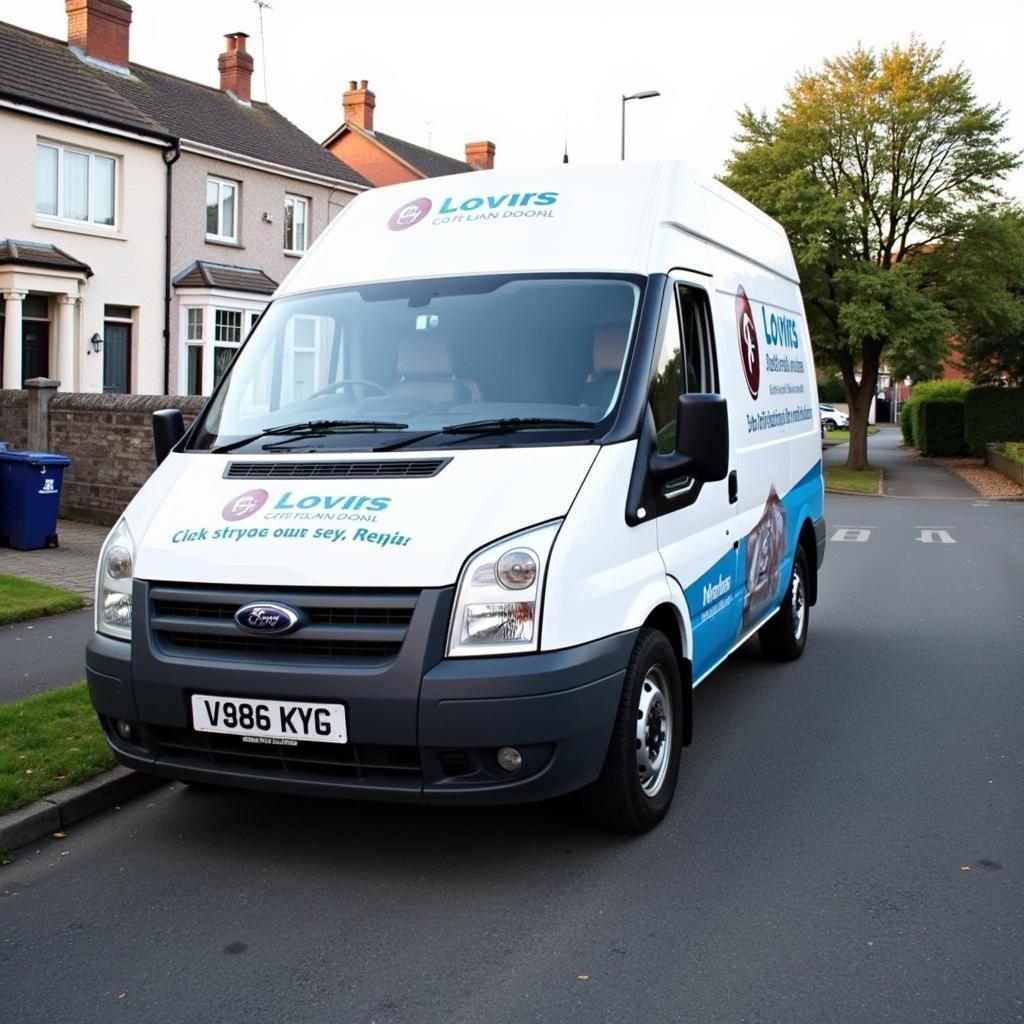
609,347
425,371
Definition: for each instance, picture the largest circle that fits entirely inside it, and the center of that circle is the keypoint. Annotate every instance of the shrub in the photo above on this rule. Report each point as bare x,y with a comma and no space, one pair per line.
954,389
993,414
940,426
831,391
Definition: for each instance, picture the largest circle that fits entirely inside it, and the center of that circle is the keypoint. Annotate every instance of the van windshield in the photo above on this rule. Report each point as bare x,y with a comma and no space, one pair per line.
398,364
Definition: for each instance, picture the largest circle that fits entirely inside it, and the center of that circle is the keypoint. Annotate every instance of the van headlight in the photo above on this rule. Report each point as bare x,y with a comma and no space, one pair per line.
114,577
498,599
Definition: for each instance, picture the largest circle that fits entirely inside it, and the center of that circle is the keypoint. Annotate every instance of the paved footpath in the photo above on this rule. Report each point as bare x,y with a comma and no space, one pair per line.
905,475
50,652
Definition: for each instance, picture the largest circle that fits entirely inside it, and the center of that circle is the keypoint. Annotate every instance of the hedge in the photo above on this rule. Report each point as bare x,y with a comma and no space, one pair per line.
993,414
831,391
955,389
940,426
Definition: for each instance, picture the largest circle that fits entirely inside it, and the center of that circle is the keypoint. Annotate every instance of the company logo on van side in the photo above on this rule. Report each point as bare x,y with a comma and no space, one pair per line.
503,201
750,348
408,214
245,505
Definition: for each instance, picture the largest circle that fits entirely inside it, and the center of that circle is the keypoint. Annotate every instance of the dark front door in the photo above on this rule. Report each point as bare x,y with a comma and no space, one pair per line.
117,340
35,349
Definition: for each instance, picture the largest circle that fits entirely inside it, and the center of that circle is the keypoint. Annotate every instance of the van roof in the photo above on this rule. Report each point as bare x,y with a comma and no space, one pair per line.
565,218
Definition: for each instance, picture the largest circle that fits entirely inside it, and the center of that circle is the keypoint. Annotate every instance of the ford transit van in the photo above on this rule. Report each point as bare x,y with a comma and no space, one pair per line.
511,462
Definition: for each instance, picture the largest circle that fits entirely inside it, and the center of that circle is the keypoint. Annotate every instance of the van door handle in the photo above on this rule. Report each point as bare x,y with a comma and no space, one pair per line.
734,488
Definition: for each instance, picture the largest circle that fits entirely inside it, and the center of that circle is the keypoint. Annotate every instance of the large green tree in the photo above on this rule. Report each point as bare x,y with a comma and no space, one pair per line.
872,165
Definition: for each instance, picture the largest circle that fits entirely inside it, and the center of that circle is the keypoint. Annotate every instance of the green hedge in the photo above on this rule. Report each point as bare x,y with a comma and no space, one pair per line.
940,426
993,414
831,391
909,422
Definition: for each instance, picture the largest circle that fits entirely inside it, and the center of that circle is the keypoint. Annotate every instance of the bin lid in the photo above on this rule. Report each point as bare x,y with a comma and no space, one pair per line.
35,458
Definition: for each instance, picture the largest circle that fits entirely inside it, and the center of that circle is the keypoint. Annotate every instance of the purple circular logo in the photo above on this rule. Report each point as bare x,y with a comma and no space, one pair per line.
244,505
750,349
409,214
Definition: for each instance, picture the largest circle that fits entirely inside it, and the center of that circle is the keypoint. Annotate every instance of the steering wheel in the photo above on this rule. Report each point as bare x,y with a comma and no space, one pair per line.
340,385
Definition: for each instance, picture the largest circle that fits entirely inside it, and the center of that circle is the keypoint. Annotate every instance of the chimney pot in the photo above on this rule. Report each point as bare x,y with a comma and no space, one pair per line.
100,29
235,66
358,104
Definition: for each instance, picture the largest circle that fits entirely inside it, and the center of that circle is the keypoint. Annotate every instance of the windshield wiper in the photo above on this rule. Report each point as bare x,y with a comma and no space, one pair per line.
312,428
503,425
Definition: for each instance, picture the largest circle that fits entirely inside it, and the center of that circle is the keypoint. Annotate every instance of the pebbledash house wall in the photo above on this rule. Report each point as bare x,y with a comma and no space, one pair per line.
260,242
127,261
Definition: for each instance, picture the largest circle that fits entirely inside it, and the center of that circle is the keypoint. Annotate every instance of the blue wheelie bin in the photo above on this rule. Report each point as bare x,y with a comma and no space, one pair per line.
30,498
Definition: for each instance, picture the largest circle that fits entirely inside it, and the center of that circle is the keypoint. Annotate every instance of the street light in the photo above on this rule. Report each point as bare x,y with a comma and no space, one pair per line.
646,95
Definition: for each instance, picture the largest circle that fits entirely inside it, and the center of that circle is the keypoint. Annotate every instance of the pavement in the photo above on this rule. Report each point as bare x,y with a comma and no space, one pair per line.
72,565
904,474
847,845
47,653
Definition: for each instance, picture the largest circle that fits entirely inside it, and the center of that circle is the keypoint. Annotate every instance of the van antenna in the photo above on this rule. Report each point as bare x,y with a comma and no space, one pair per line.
260,4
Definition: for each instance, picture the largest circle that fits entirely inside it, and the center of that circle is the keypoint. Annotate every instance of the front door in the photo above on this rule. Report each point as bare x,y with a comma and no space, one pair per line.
117,340
696,521
35,349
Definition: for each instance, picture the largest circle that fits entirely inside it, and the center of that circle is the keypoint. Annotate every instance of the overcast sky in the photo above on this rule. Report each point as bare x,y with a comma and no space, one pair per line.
530,73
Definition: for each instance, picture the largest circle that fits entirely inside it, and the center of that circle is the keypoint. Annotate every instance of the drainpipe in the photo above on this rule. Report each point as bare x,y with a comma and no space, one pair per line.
171,155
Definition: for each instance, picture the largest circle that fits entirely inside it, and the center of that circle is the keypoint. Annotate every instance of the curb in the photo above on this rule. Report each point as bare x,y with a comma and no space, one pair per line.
55,813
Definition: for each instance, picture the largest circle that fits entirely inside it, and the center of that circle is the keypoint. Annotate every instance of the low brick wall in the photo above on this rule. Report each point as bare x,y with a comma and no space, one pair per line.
1002,464
14,418
109,439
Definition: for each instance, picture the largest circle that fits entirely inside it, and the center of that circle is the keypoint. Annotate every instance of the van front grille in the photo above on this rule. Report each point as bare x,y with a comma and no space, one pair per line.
353,626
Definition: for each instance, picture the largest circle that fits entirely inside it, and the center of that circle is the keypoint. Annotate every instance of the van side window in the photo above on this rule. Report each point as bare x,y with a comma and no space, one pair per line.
698,344
667,386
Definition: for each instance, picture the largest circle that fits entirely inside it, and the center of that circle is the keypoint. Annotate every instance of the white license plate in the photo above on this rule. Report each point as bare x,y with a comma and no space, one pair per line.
270,719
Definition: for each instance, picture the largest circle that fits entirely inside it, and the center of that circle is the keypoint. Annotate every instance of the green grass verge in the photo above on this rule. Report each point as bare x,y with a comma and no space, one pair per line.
25,599
864,481
1012,450
844,435
47,743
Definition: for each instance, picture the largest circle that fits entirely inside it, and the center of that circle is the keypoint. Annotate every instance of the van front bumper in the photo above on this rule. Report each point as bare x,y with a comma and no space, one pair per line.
430,739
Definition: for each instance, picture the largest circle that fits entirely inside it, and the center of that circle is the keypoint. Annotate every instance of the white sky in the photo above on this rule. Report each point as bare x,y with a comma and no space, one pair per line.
526,73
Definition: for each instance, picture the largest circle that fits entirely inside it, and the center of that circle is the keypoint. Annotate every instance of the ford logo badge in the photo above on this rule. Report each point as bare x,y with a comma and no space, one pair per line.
262,617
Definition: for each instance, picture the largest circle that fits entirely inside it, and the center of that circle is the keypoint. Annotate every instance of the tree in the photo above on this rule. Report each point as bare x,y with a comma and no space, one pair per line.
981,277
872,164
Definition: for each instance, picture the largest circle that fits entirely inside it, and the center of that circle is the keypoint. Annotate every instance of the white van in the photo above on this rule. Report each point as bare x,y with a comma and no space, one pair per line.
511,462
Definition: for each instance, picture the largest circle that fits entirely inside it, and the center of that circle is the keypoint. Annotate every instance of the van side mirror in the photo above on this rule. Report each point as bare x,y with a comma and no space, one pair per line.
702,441
168,430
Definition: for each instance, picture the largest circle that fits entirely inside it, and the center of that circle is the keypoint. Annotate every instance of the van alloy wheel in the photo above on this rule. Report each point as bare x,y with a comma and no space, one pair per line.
797,605
653,732
784,636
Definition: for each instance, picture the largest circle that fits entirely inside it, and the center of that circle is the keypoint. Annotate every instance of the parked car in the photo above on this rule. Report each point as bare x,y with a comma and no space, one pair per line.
833,418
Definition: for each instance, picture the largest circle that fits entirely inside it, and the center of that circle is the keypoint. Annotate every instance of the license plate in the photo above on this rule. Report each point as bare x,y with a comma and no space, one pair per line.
271,719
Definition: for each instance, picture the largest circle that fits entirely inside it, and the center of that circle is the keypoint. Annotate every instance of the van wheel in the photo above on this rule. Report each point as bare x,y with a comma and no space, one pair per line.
638,779
784,635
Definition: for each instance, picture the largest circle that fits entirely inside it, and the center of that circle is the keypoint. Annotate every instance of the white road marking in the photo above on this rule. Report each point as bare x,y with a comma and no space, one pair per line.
853,534
935,535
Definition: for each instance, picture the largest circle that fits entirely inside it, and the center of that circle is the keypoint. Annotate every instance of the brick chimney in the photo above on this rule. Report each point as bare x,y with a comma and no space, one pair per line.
235,66
480,155
99,29
358,103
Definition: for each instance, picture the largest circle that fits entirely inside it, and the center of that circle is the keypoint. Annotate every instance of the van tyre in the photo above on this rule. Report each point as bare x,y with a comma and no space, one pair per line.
784,636
641,769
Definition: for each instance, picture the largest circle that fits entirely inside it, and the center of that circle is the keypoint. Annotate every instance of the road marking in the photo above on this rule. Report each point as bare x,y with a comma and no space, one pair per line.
935,535
853,534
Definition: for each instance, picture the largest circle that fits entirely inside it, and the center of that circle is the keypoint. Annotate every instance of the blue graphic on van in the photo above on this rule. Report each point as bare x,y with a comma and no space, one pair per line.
344,502
505,200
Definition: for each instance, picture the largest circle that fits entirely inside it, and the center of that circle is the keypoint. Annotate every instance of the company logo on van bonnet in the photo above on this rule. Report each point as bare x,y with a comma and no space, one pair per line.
245,505
409,214
750,348
266,618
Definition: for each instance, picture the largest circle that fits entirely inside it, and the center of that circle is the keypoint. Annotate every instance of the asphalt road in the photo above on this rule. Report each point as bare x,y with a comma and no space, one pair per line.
847,846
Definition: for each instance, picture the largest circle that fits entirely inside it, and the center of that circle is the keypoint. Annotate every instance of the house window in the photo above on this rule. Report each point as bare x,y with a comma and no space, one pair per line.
75,185
194,350
221,210
296,224
227,336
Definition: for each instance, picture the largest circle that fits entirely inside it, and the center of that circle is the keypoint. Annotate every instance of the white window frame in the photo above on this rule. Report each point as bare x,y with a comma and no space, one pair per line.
209,301
305,203
221,184
91,155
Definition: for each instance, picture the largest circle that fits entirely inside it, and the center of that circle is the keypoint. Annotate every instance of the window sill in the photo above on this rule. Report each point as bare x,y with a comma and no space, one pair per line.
294,253
76,227
230,243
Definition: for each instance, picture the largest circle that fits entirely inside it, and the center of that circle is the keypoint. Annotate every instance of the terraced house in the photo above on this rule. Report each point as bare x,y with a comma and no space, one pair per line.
145,218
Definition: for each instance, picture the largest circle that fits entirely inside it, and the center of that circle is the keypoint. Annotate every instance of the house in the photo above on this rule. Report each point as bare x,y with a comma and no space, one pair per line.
146,218
387,160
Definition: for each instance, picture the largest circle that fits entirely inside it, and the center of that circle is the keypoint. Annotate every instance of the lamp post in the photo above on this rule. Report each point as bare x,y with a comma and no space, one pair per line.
646,95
